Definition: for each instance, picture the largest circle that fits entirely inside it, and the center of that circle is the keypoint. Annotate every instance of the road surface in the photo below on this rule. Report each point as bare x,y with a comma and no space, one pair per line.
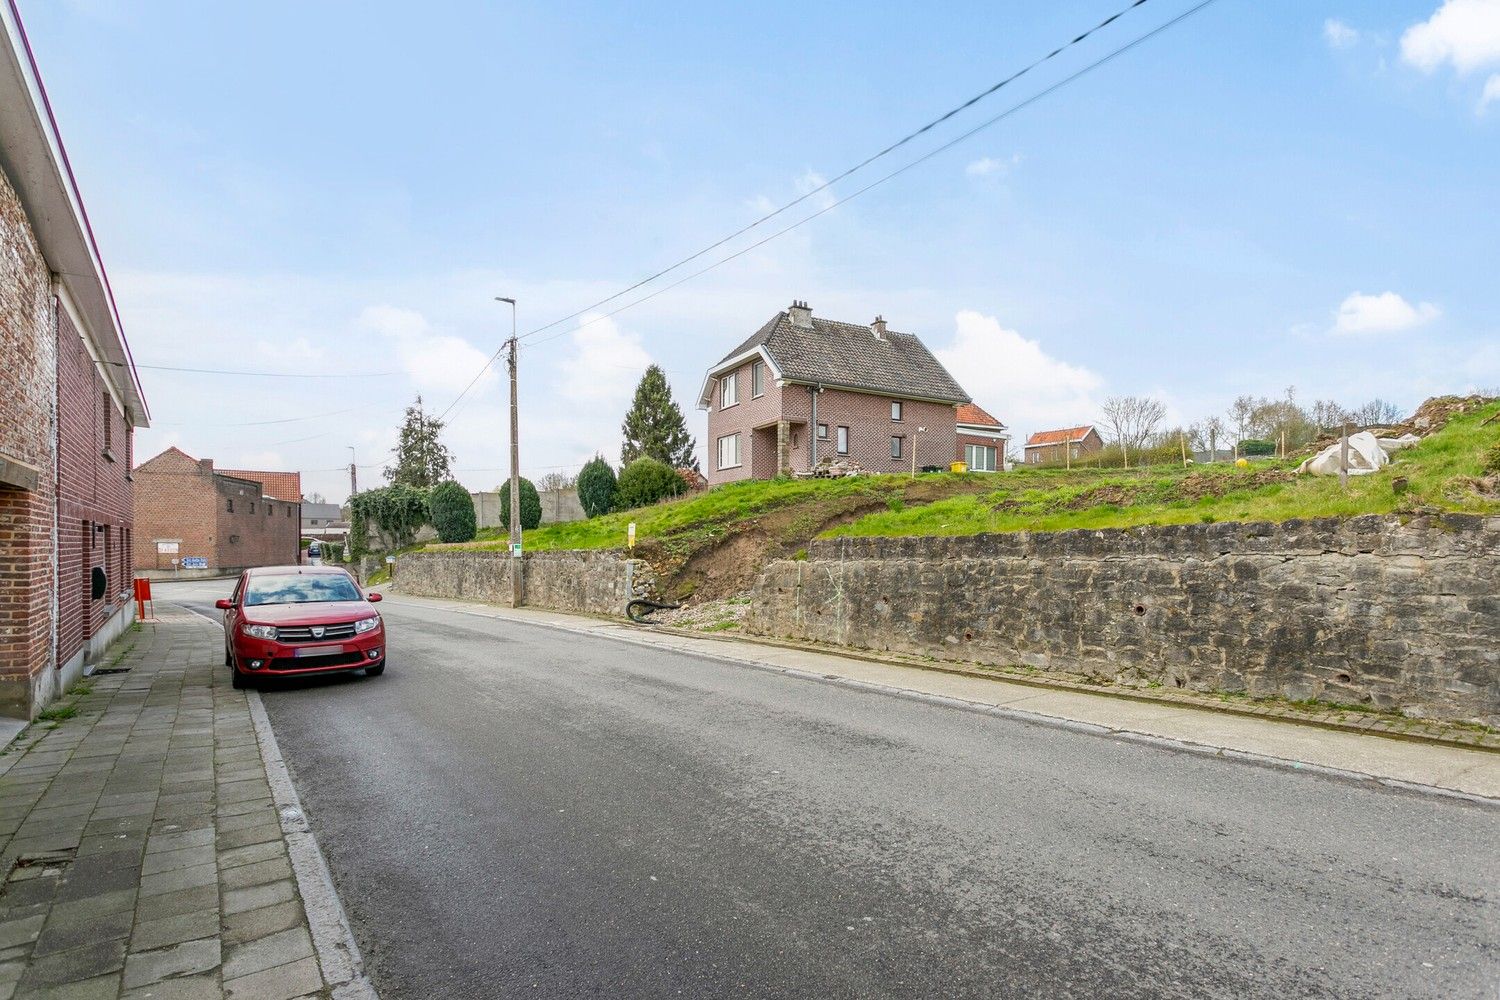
515,809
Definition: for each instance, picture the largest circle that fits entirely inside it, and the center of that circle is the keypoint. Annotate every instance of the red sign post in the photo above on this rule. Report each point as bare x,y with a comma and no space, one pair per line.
143,598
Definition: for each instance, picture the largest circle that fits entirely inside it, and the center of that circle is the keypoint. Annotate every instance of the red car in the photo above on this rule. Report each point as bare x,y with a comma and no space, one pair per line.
284,621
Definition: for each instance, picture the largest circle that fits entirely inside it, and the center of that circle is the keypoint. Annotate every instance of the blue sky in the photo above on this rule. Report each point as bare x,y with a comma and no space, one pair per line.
1268,194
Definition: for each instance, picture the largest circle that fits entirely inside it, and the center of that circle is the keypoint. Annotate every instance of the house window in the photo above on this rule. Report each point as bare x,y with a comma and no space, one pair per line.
843,441
1034,457
729,451
758,379
229,505
252,506
729,390
896,440
895,409
822,432
980,458
109,430
270,509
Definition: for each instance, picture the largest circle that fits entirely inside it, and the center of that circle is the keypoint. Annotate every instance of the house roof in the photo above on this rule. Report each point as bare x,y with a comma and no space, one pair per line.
277,485
1063,435
850,356
36,163
976,416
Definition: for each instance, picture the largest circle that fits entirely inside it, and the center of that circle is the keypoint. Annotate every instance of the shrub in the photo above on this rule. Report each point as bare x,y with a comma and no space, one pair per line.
451,510
398,511
531,505
1492,460
1254,446
645,481
596,487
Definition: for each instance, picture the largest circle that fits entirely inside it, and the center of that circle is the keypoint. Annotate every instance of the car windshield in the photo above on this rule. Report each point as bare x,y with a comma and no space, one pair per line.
301,588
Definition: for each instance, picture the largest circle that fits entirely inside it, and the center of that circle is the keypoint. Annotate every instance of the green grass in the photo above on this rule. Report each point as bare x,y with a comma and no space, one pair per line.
57,713
691,517
1439,472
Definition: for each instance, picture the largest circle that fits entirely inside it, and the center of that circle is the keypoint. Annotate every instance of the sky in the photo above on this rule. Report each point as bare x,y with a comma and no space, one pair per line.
1269,193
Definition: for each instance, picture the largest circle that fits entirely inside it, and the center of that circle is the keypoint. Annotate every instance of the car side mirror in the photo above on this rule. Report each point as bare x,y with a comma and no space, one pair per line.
373,598
223,604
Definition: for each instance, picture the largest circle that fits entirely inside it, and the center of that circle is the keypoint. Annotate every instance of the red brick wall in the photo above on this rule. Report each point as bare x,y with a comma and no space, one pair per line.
28,379
984,442
95,499
180,497
757,460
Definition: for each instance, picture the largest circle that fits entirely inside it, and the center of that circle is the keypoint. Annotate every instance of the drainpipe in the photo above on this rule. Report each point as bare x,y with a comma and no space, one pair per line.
812,436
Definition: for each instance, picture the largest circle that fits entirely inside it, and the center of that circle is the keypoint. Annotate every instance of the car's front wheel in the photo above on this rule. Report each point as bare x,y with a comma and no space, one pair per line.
228,657
375,670
239,679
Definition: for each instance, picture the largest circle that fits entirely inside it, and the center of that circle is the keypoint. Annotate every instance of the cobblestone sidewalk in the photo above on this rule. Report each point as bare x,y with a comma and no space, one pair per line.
142,851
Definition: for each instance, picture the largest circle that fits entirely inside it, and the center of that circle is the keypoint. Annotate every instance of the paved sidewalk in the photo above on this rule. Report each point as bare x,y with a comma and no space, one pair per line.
1446,769
142,851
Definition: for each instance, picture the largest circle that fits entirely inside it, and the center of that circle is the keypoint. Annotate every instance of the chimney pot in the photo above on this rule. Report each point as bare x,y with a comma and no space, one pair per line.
801,314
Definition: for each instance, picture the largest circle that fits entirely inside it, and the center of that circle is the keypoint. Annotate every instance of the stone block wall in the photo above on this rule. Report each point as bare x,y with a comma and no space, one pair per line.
591,582
1361,611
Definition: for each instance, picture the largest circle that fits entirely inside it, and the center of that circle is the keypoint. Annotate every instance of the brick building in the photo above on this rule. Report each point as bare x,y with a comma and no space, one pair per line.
186,510
982,440
1063,445
69,404
805,390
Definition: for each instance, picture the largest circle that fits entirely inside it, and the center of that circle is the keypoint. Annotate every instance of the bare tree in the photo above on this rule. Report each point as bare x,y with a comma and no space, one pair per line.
1213,429
555,481
316,498
1133,419
1241,414
1375,413
1329,416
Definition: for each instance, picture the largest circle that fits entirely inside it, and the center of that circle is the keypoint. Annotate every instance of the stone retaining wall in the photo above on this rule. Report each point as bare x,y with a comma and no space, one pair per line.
591,582
1361,611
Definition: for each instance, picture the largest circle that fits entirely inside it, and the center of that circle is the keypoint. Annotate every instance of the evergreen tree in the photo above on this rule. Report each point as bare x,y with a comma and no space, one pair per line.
654,427
421,459
596,487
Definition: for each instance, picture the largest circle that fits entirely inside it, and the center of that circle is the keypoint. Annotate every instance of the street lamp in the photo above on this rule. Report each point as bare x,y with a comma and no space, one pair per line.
515,463
919,430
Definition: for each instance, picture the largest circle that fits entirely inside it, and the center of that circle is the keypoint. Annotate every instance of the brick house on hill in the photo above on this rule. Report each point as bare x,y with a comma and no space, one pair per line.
1066,444
982,440
802,390
185,509
70,402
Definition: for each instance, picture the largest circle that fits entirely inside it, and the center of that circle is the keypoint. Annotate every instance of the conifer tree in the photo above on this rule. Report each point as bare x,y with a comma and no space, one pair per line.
654,427
421,459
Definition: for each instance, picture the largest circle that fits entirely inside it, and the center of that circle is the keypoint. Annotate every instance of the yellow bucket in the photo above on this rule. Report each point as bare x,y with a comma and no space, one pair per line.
959,467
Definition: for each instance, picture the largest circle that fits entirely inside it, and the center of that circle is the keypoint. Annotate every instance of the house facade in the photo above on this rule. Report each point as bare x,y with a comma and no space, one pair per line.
191,518
1063,445
70,403
804,390
982,440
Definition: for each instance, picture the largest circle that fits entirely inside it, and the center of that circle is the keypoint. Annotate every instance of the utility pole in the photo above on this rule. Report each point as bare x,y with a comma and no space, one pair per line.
516,564
353,478
1344,457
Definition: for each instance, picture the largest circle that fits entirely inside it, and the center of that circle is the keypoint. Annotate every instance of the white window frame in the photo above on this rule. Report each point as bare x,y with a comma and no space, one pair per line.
822,432
757,379
898,447
897,410
841,440
733,441
729,390
991,455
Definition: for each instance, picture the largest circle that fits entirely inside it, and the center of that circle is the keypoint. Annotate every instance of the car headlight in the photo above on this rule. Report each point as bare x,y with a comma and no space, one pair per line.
259,631
367,624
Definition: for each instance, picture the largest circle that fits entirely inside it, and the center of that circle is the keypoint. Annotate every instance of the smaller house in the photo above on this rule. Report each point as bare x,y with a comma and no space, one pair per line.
1066,444
323,521
982,440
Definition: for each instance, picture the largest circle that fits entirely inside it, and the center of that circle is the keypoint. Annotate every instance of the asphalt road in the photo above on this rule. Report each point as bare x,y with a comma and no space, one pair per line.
513,809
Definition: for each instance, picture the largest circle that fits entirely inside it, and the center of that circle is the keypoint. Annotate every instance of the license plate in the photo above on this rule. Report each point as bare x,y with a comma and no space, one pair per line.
319,651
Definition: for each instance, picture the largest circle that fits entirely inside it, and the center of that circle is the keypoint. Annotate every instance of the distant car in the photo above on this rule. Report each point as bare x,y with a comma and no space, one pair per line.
286,621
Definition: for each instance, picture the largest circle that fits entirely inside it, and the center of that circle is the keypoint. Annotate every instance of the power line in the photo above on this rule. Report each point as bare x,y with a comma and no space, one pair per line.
894,173
841,176
231,371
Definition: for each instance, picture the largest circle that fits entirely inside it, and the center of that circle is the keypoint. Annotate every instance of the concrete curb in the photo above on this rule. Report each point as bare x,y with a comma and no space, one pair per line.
1020,715
333,940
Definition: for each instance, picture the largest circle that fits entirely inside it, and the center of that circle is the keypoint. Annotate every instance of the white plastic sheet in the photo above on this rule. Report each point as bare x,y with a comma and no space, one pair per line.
1367,454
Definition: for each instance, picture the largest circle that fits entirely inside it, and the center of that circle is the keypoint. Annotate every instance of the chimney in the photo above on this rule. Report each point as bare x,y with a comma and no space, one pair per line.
878,327
801,314
206,464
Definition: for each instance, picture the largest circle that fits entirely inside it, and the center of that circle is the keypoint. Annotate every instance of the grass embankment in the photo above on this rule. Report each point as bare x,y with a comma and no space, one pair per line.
1441,474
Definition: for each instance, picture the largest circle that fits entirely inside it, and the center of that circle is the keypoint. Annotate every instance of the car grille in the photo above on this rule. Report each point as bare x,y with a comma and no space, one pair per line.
316,662
302,633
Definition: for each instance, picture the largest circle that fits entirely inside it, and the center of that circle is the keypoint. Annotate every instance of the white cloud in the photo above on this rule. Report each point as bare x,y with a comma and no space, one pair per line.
431,360
811,181
987,166
1383,313
1339,35
1491,94
1465,33
603,365
1017,381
